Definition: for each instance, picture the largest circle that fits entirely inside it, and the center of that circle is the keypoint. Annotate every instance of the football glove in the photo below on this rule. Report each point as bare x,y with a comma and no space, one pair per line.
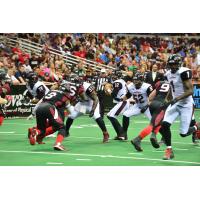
143,109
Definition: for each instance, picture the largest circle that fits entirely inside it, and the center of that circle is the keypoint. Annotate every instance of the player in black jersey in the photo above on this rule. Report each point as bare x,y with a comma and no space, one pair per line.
158,103
50,118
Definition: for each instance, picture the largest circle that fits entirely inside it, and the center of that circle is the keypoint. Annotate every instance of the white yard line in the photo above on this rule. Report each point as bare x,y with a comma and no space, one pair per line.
7,132
54,163
82,159
102,156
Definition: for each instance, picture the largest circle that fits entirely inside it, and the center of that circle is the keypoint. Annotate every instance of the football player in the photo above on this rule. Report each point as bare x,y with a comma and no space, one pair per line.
182,104
49,118
118,90
158,103
139,90
36,90
88,104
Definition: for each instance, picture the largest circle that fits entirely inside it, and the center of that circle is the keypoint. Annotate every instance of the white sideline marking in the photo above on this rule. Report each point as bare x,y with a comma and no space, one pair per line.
139,154
7,132
179,149
54,163
101,156
83,159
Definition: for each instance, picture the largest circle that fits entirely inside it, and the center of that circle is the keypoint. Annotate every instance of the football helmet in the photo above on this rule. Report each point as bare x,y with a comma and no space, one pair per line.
2,74
117,74
31,77
174,62
64,87
138,79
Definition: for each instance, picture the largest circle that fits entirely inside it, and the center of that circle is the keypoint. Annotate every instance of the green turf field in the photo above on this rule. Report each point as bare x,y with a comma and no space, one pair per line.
85,147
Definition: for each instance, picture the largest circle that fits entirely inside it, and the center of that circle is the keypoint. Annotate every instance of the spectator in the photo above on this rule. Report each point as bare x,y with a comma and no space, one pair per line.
20,74
154,76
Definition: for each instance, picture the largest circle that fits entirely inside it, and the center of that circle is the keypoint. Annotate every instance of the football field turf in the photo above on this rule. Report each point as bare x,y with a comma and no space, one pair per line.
84,147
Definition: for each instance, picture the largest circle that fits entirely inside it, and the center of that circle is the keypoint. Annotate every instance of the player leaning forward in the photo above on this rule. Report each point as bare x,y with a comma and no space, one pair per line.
88,104
182,104
49,116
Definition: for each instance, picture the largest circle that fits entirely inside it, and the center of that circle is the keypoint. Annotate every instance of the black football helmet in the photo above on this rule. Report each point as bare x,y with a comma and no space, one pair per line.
138,79
31,77
65,87
77,80
117,74
174,62
2,74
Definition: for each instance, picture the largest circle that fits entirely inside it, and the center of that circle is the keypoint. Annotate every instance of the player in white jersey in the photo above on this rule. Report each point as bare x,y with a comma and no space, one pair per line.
118,91
36,89
88,104
140,91
182,104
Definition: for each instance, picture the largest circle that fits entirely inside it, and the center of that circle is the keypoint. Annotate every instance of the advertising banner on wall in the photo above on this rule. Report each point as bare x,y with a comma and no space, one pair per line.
196,95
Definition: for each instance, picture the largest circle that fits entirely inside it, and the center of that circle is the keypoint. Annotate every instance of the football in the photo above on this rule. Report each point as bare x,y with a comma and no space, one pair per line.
108,89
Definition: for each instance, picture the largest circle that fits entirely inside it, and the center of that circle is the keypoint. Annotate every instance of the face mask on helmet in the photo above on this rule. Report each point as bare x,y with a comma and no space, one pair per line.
2,75
32,78
138,80
174,63
65,87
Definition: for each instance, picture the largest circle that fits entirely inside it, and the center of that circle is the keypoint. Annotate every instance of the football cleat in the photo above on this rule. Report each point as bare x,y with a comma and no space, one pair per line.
154,141
58,147
32,134
137,143
121,138
105,137
168,154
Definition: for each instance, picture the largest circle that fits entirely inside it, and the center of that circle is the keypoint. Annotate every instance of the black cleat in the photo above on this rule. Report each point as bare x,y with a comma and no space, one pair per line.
137,143
154,141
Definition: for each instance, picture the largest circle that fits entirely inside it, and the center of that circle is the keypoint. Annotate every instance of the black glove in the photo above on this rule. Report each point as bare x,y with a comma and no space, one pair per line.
91,113
144,109
173,101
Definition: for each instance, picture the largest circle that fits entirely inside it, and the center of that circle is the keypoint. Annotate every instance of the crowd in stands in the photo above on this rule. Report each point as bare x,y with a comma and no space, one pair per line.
120,51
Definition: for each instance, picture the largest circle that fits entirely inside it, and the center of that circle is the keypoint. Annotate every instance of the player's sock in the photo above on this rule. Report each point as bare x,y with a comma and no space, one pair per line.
101,124
146,131
59,138
69,122
156,130
166,133
125,123
49,131
1,120
118,128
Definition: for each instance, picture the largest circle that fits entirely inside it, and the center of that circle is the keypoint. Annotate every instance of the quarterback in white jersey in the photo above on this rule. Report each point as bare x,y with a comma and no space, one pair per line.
88,104
182,104
119,90
139,91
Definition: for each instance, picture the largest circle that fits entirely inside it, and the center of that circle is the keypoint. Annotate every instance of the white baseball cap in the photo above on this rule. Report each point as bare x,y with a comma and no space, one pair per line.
103,70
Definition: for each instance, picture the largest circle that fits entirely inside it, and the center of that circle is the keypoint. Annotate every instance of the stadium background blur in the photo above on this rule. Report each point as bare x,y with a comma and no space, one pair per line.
128,52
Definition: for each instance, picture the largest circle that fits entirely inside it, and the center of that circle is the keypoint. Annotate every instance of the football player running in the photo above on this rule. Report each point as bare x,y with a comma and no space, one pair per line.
88,104
182,104
158,103
140,91
118,90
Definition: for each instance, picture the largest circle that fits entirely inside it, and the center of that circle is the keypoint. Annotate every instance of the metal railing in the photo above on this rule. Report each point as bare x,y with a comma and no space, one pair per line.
28,46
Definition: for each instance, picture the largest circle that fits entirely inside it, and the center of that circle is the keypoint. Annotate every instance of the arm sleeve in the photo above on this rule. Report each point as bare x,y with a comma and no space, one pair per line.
149,90
186,75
